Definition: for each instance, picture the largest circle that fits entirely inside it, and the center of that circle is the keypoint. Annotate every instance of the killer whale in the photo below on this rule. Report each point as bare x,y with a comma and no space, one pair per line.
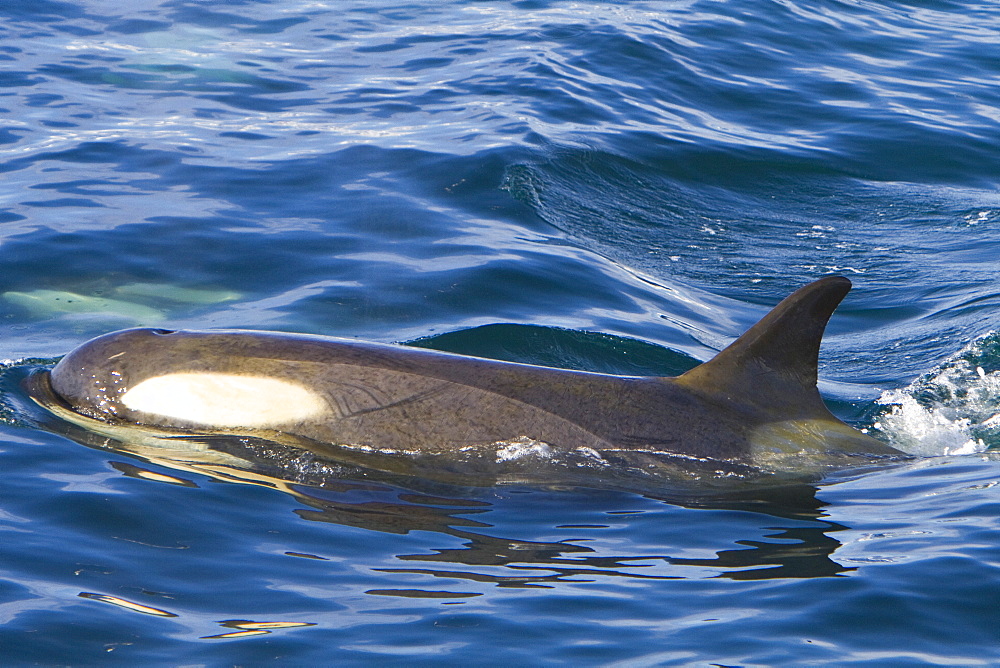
753,407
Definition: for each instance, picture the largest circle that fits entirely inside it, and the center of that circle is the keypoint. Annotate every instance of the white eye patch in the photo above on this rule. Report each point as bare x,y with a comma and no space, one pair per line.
225,400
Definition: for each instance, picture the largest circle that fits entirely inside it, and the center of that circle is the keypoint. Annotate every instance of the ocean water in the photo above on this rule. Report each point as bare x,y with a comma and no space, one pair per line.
613,186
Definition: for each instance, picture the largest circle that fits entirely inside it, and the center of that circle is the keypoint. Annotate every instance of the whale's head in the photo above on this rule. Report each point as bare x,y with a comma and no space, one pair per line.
182,379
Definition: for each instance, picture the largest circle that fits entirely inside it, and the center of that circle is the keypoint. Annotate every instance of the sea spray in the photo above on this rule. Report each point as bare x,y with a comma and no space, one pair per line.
953,410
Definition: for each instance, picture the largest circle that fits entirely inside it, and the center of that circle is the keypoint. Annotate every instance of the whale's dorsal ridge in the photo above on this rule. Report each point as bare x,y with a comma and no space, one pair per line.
774,364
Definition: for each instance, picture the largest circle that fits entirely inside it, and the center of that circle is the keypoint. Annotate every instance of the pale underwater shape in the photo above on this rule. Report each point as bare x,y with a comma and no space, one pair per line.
47,303
44,303
176,293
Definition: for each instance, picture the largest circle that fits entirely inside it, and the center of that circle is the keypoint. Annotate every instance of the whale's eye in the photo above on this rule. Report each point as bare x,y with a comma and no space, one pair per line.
162,332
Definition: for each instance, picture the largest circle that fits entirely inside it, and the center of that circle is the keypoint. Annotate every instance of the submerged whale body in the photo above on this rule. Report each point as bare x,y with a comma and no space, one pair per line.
754,407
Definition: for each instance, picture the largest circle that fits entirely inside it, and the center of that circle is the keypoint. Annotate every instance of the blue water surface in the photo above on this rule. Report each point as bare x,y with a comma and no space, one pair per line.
612,186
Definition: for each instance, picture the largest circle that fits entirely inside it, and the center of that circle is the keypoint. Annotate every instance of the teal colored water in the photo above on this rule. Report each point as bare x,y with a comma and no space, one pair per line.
620,187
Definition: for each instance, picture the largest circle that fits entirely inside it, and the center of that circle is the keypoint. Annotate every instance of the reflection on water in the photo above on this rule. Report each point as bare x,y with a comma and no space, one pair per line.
798,541
133,471
128,605
243,627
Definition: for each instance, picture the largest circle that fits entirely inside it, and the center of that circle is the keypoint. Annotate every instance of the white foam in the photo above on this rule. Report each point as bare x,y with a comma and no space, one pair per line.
929,431
225,400
954,410
522,446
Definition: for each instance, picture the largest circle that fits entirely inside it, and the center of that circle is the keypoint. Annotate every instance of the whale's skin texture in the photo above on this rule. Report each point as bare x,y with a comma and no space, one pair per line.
756,403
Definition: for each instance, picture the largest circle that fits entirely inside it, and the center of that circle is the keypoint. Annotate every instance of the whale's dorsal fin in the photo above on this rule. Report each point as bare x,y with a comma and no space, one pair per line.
773,366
